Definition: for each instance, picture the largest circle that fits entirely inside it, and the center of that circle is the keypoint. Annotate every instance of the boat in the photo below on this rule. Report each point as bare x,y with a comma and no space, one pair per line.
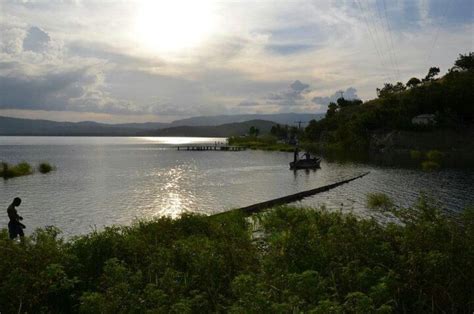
310,163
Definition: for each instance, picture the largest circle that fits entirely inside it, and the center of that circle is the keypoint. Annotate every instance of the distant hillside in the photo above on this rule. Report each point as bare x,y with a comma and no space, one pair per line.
208,124
16,126
223,130
280,118
25,127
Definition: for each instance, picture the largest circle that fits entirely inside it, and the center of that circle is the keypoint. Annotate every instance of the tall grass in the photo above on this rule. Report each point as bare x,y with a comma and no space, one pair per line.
8,171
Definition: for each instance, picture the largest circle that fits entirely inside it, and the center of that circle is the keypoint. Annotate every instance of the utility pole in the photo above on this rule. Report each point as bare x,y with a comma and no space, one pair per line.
342,94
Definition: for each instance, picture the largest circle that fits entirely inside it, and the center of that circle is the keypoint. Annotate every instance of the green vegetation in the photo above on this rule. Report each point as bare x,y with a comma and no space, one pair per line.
349,125
306,261
45,167
266,142
8,171
379,201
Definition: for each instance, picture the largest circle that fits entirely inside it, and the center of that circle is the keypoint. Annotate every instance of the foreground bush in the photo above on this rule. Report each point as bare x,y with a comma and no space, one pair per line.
307,261
8,171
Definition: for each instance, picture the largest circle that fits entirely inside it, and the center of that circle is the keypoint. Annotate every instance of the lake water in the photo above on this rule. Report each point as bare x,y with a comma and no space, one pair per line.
103,181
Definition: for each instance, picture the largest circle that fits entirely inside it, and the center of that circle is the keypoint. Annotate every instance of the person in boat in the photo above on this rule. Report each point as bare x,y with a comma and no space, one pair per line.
15,227
296,155
307,156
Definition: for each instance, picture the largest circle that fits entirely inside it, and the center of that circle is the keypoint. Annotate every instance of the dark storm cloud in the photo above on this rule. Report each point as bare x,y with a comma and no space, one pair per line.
36,40
48,92
350,93
292,96
77,90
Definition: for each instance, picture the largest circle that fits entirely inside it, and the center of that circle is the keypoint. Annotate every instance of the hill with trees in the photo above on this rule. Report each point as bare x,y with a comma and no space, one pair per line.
359,127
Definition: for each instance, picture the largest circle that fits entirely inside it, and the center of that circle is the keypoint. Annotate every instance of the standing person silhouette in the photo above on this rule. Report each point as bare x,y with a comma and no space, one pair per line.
15,227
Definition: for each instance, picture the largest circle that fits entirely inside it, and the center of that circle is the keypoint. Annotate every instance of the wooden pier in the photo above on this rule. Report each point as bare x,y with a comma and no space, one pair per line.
211,148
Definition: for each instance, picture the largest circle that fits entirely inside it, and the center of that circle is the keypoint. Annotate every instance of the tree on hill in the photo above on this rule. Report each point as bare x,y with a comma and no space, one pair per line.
464,62
253,131
279,131
342,102
413,82
432,72
390,89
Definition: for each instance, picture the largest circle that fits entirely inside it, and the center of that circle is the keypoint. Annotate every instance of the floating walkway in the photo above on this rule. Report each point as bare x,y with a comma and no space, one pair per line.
211,148
293,197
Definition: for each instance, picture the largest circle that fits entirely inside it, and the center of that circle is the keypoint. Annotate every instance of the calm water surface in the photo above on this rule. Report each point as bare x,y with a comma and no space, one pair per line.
102,181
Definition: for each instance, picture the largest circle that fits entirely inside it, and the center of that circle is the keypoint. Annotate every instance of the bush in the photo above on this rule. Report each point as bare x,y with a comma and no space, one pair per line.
429,165
379,201
8,171
435,156
45,167
312,261
416,154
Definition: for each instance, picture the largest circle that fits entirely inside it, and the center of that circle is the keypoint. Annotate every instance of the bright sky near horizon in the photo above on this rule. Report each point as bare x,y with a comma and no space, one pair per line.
156,60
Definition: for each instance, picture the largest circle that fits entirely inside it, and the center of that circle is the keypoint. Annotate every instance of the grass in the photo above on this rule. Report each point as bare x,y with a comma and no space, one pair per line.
45,167
306,261
379,201
8,171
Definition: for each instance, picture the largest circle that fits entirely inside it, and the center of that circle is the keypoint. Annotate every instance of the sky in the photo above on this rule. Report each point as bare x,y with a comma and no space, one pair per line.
156,60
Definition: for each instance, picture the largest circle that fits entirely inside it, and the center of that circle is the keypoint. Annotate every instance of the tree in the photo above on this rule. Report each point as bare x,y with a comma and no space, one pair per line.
332,109
252,130
341,102
432,72
413,82
390,89
465,62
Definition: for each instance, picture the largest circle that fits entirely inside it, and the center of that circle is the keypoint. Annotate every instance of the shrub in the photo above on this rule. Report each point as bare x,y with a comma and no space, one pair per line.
429,165
45,167
8,171
379,201
435,156
312,261
416,154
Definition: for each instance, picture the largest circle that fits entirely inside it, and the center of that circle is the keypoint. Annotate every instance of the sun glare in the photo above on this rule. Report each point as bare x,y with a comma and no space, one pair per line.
173,25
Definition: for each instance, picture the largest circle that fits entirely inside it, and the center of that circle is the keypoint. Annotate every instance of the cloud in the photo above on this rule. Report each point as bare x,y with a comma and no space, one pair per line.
288,49
292,96
36,40
64,56
349,94
249,103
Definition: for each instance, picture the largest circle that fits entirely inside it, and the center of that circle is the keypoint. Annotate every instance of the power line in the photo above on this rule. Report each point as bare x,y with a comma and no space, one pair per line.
389,46
391,37
371,35
430,52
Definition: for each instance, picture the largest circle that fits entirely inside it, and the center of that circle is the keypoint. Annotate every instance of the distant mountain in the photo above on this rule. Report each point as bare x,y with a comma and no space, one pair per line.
280,118
209,126
16,126
223,130
143,126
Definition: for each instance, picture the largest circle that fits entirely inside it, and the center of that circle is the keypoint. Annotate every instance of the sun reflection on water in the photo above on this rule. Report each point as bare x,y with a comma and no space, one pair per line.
173,198
182,140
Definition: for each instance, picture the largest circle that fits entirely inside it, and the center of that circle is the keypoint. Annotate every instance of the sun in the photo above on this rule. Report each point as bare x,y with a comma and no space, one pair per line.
173,25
